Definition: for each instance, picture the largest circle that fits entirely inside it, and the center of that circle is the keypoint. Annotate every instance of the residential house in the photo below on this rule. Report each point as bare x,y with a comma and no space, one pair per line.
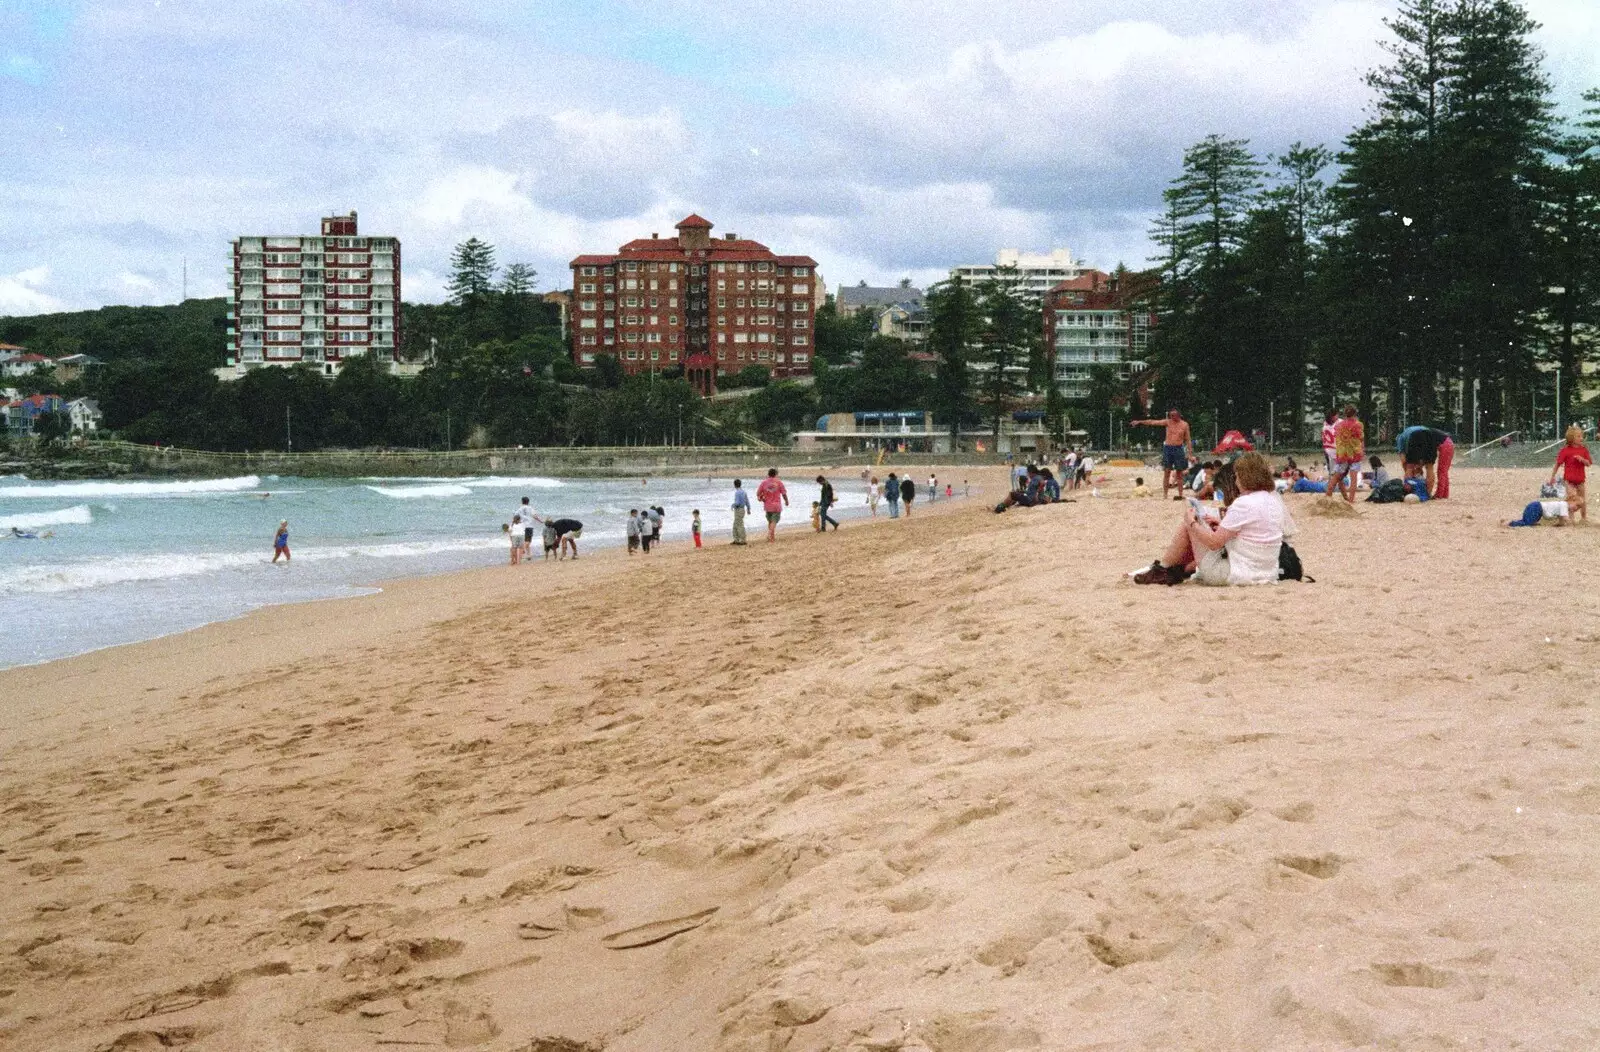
71,367
903,321
20,413
85,415
24,364
9,351
853,298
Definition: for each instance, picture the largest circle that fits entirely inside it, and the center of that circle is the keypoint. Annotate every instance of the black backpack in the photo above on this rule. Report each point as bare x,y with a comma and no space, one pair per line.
1289,568
1391,492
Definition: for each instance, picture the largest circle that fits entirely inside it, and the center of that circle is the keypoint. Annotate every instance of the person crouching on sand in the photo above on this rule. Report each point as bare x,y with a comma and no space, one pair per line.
280,542
1574,461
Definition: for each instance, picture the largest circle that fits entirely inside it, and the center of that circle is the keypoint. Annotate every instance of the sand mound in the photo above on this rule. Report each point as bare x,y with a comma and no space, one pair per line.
1333,508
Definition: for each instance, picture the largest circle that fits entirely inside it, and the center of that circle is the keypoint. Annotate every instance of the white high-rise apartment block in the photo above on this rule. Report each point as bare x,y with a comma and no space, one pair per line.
1038,272
318,300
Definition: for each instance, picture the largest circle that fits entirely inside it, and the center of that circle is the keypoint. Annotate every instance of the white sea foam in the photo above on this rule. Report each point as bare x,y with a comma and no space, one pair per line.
411,492
77,515
98,490
499,482
69,577
100,573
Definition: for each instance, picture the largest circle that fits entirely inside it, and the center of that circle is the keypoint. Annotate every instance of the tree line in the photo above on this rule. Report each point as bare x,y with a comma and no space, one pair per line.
1443,267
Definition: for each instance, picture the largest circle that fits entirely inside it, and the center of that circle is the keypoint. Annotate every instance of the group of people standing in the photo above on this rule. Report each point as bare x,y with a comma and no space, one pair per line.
896,491
560,536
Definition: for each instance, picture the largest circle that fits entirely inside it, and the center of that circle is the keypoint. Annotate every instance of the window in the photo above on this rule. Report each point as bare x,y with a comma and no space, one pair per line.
722,355
609,271
722,301
588,341
611,304
763,267
722,319
655,319
632,319
655,356
801,323
586,305
587,323
741,337
632,337
722,337
611,323
587,286
763,319
800,359
588,272
721,285
632,268
784,306
654,301
798,341
672,301
655,286
799,290
609,289
764,301
631,283
741,270
672,286
672,319
738,319
741,285
801,272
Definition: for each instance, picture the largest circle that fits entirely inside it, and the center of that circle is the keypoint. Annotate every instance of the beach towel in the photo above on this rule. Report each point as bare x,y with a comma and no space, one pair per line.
1530,515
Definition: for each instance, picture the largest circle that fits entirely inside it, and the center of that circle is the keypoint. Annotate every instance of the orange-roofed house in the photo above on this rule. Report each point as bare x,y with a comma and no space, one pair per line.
710,306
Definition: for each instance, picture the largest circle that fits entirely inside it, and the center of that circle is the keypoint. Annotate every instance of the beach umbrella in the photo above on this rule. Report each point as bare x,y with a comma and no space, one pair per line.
1233,442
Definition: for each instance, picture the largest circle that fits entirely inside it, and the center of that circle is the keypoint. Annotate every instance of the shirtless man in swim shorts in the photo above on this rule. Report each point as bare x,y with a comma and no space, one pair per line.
1175,449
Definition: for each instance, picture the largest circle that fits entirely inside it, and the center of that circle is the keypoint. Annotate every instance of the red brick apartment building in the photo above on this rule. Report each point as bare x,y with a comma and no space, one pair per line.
318,300
710,305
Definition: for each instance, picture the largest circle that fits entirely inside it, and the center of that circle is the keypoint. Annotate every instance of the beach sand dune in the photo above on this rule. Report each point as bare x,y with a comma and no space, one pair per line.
952,784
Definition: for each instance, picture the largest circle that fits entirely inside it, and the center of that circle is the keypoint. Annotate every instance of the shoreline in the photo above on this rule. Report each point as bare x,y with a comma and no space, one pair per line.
374,585
954,783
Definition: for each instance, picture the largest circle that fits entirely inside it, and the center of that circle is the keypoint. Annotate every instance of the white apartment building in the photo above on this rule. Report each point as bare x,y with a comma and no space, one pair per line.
318,300
1039,272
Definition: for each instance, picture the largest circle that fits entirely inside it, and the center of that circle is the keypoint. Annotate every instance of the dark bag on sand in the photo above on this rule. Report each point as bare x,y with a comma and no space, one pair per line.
1391,492
1289,568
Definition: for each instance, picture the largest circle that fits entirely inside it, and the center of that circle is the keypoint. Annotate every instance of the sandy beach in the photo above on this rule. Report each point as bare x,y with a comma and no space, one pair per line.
950,784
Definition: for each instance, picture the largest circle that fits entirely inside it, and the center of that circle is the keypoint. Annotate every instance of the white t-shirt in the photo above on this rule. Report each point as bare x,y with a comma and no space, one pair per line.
1088,464
1554,509
526,511
1260,522
873,492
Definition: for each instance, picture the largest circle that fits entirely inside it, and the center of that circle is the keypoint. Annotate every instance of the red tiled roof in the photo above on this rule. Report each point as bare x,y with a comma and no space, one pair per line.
1088,281
694,220
11,347
592,261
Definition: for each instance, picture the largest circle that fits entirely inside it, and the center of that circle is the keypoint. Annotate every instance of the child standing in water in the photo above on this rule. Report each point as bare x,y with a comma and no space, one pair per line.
694,525
280,542
1574,457
816,515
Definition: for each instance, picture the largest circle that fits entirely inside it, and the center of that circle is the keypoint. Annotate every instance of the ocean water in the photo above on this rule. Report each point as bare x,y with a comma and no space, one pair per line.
118,562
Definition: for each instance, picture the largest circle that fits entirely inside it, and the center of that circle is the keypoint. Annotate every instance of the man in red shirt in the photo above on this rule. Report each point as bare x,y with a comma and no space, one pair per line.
1574,457
1349,449
774,498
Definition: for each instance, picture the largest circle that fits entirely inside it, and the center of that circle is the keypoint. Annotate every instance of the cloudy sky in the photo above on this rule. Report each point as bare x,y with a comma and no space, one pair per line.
886,139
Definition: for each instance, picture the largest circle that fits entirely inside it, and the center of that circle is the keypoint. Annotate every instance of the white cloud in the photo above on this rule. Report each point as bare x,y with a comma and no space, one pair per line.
23,293
137,284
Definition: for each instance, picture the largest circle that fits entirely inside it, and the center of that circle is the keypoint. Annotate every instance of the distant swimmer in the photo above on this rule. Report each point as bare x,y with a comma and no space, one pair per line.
280,542
19,534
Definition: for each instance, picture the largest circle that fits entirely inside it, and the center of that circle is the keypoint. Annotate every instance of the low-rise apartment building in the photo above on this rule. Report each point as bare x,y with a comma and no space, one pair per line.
1096,319
1037,272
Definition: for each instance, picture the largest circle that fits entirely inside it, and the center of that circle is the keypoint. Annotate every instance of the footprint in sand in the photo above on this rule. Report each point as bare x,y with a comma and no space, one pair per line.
656,931
150,1040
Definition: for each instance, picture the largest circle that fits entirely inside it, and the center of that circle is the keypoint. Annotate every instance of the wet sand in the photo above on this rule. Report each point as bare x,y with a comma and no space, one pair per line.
950,783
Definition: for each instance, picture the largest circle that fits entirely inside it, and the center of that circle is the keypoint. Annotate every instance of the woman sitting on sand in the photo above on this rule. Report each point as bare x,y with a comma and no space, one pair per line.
1244,547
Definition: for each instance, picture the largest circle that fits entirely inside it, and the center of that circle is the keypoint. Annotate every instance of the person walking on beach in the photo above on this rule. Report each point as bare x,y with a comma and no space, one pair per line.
891,493
1349,447
633,530
741,505
874,492
514,531
824,503
908,493
1176,446
655,514
933,486
694,526
1330,422
525,510
1574,458
774,497
280,542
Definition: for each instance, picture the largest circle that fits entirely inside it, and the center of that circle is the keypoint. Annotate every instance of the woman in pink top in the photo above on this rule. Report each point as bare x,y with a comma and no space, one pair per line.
774,498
